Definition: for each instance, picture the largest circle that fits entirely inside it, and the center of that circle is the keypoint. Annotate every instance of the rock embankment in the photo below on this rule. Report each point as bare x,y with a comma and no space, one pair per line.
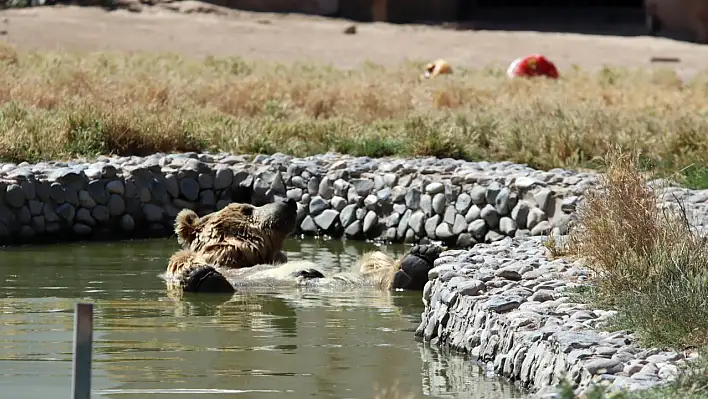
457,202
508,306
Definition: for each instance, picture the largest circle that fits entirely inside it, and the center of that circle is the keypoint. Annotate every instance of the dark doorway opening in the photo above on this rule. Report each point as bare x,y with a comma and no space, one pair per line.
612,17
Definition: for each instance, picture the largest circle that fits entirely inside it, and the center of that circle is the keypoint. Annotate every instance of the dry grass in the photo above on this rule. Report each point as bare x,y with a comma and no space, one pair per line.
650,263
58,105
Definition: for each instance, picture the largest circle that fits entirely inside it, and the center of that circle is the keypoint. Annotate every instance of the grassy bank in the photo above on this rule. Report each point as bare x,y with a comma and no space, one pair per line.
58,105
650,265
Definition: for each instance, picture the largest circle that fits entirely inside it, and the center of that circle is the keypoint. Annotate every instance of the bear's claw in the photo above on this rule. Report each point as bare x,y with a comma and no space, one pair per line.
207,279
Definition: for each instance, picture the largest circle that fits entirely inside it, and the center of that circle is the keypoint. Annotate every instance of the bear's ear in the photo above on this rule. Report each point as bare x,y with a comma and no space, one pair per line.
186,224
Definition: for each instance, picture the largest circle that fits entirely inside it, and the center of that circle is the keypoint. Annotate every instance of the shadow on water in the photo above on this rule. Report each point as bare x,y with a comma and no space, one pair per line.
148,345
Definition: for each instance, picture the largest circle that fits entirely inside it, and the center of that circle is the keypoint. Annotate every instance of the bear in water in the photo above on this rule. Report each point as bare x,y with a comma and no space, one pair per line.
241,245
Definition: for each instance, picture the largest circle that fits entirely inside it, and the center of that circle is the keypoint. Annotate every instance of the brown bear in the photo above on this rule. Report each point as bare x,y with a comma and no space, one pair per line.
241,245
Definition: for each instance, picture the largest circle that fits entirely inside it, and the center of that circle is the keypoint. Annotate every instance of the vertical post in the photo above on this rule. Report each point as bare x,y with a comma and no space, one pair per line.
83,341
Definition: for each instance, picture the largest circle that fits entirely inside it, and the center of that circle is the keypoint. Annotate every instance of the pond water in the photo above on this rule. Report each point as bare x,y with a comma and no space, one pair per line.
272,345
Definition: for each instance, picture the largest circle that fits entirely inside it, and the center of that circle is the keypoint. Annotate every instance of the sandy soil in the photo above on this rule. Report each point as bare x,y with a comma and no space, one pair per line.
192,32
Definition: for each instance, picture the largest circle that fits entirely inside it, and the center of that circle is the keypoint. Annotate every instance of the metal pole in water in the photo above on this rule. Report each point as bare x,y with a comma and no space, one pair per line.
83,341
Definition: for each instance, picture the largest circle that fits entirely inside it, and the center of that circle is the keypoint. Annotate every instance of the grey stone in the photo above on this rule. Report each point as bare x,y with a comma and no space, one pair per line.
412,199
294,194
473,214
348,215
325,189
477,229
371,202
463,203
189,188
66,211
116,205
153,213
371,221
431,225
460,225
502,303
478,195
544,199
85,199
491,193
471,288
28,187
384,194
35,207
14,196
338,203
313,187
171,185
603,366
81,229
534,217
317,205
56,193
417,222
23,215
542,296
507,226
508,273
223,178
127,223
490,216
71,195
434,188
117,187
363,187
83,215
465,240
542,228
341,187
354,230
100,213
403,224
443,231
520,213
569,203
207,198
525,183
426,204
326,220
439,203
501,201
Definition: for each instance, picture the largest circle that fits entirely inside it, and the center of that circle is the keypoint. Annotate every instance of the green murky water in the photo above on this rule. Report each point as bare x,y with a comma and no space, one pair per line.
148,345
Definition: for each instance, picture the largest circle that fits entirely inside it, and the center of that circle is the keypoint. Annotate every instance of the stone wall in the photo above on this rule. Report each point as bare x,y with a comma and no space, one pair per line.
457,202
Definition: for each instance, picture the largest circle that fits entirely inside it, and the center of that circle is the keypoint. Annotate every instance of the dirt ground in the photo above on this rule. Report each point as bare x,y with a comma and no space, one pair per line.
191,31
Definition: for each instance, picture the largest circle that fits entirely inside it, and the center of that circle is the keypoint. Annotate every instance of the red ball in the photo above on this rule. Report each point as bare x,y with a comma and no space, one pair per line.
532,65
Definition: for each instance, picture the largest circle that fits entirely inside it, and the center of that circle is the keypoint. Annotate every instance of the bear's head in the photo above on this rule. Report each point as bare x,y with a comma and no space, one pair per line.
239,235
413,270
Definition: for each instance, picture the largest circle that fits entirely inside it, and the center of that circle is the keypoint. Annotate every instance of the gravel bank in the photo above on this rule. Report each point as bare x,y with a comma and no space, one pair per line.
457,202
504,304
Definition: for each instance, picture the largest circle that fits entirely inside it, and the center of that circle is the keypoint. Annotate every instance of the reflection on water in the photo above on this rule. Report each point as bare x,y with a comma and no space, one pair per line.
147,345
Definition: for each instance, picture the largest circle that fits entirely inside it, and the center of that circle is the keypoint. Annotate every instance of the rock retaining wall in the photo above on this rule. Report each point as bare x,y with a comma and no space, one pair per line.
396,200
506,305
